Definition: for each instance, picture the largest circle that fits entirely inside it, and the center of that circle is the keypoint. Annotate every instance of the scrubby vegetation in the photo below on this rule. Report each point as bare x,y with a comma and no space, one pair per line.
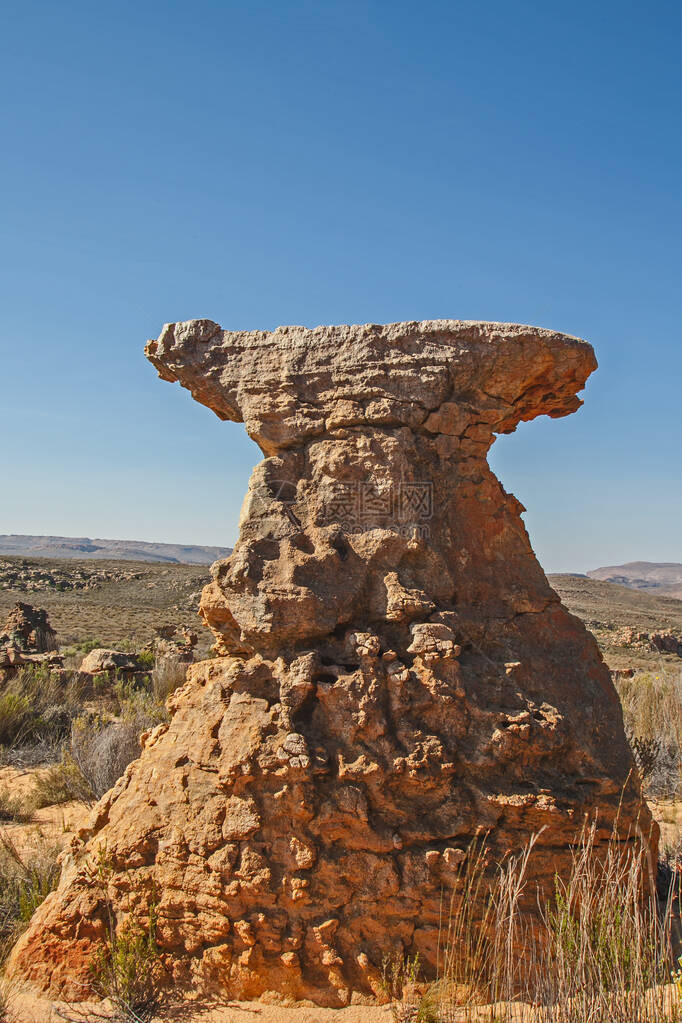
83,735
14,808
36,710
602,950
99,747
127,967
123,601
652,711
87,735
26,878
168,674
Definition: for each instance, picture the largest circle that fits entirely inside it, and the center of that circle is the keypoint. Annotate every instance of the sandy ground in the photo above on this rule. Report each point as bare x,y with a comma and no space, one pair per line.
55,825
31,1010
27,1008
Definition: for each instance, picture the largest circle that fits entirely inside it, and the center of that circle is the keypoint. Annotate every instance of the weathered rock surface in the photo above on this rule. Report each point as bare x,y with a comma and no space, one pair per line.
104,661
27,640
29,629
661,640
396,675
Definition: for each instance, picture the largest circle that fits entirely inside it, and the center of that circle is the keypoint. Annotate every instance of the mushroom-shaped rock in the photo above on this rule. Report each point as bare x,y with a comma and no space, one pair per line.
397,676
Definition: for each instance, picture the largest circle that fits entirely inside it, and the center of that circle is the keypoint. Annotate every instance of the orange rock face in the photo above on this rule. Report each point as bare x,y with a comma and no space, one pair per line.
396,676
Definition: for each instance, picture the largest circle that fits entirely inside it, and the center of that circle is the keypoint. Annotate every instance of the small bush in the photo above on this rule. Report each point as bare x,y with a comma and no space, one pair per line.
127,968
62,782
169,674
400,980
100,748
88,645
103,748
126,971
36,709
15,808
145,659
16,717
647,753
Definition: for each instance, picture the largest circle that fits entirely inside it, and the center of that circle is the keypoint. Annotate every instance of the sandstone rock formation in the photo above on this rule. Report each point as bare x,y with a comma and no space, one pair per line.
662,641
173,650
27,640
665,642
104,666
396,676
28,629
103,661
173,643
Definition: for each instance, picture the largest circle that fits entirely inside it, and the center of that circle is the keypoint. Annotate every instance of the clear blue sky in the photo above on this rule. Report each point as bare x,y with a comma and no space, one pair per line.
333,162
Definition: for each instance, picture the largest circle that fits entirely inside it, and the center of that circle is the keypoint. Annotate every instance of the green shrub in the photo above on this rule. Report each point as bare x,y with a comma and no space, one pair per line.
88,645
17,718
126,969
145,659
36,708
62,782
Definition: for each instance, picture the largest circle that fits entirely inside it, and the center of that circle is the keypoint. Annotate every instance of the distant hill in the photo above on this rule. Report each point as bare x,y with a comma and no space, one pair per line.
119,550
658,578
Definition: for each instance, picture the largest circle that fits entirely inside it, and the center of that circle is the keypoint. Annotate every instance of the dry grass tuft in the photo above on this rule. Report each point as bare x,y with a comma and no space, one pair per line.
15,809
599,950
99,749
652,712
25,880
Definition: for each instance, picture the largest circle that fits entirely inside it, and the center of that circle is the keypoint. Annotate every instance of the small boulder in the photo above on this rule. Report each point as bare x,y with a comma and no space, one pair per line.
103,661
664,641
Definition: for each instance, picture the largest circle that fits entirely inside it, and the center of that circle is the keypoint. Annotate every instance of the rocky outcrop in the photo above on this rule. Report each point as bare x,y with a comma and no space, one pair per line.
27,640
173,643
660,641
173,650
29,629
619,674
20,574
106,667
665,642
396,676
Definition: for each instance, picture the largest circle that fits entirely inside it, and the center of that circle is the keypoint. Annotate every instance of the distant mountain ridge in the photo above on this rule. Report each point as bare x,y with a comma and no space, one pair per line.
663,578
119,550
